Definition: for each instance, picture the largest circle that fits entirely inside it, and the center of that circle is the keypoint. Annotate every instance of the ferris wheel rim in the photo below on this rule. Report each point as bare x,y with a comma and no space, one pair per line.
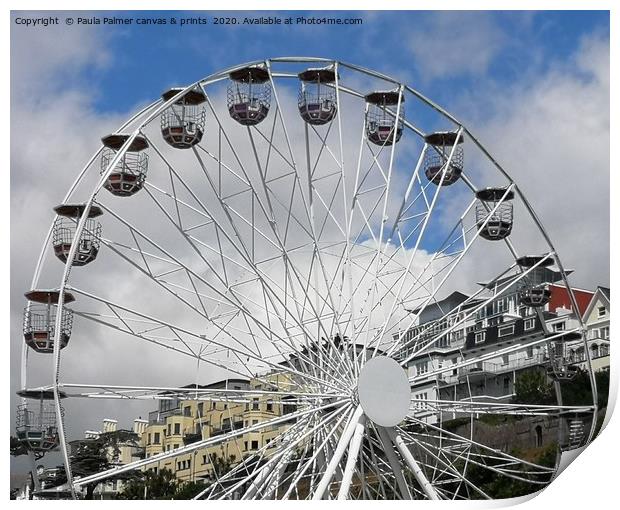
152,112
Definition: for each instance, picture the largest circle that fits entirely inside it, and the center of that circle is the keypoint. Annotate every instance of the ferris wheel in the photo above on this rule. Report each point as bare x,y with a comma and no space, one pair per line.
290,222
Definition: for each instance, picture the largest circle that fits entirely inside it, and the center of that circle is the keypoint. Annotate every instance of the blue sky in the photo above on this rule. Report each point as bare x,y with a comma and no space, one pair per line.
507,47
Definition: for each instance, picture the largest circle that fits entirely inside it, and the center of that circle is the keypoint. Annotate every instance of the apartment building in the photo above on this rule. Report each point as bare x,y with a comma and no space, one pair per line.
215,411
462,365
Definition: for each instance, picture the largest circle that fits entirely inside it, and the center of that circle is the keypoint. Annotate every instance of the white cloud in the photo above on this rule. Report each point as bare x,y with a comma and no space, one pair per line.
552,136
455,43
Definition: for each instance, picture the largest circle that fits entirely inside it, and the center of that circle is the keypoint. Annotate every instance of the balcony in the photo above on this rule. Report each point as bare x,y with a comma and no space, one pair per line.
487,369
478,371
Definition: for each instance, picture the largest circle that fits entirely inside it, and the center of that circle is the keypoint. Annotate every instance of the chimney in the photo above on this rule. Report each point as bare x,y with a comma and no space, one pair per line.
109,425
139,426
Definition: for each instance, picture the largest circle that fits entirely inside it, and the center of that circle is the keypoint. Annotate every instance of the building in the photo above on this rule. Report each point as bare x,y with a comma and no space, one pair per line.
597,320
504,336
182,420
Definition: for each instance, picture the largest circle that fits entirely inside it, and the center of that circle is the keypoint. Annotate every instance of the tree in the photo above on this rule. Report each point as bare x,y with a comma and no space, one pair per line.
94,455
578,391
151,485
17,447
188,490
531,387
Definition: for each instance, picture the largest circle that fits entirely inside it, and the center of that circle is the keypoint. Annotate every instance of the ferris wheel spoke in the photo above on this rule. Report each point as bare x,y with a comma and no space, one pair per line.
308,209
272,477
242,351
311,463
449,466
255,468
475,407
231,297
499,290
489,452
491,355
290,267
202,444
390,453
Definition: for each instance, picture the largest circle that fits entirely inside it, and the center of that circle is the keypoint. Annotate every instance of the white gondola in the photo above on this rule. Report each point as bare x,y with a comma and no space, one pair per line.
64,232
382,126
183,124
440,146
40,320
317,96
494,213
533,291
129,174
249,95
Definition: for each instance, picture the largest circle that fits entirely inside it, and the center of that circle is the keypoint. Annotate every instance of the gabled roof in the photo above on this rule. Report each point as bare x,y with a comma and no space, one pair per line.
601,292
455,297
605,291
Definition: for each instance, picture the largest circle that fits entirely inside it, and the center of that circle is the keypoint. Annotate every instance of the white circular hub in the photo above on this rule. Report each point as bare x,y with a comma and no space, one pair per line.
384,391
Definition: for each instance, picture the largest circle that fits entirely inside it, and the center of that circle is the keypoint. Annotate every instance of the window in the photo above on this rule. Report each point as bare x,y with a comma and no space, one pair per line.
559,326
177,429
245,445
539,436
254,445
506,330
148,441
156,438
200,409
505,359
187,411
604,332
254,404
506,383
529,324
480,336
169,429
529,352
254,422
422,368
204,459
499,306
269,406
421,398
602,311
176,446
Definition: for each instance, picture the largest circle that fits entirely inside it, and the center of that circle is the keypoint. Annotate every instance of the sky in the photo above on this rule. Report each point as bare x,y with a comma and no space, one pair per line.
532,86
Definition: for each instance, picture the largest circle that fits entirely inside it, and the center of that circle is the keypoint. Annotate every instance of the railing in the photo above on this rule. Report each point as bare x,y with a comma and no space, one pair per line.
495,368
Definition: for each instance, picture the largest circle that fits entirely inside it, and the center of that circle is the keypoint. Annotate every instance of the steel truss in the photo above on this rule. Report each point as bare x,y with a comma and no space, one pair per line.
294,249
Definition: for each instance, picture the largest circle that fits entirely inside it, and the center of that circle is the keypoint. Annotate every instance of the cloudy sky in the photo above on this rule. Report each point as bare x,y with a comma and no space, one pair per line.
534,88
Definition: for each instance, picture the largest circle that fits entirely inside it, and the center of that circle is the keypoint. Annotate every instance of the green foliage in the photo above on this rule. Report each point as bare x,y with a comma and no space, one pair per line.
151,485
188,490
532,387
500,486
578,391
17,447
89,456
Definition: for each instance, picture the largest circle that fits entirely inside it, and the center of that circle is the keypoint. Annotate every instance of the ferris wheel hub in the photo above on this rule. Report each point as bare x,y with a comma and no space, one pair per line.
384,391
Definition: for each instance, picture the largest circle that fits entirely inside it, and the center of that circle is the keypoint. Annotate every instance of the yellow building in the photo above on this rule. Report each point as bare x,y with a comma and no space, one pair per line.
182,419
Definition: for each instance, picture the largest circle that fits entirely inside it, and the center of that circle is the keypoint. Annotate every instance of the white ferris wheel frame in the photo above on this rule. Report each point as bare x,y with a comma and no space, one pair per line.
352,417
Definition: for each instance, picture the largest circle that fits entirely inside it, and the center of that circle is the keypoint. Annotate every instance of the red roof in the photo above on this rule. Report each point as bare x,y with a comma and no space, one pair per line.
561,299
